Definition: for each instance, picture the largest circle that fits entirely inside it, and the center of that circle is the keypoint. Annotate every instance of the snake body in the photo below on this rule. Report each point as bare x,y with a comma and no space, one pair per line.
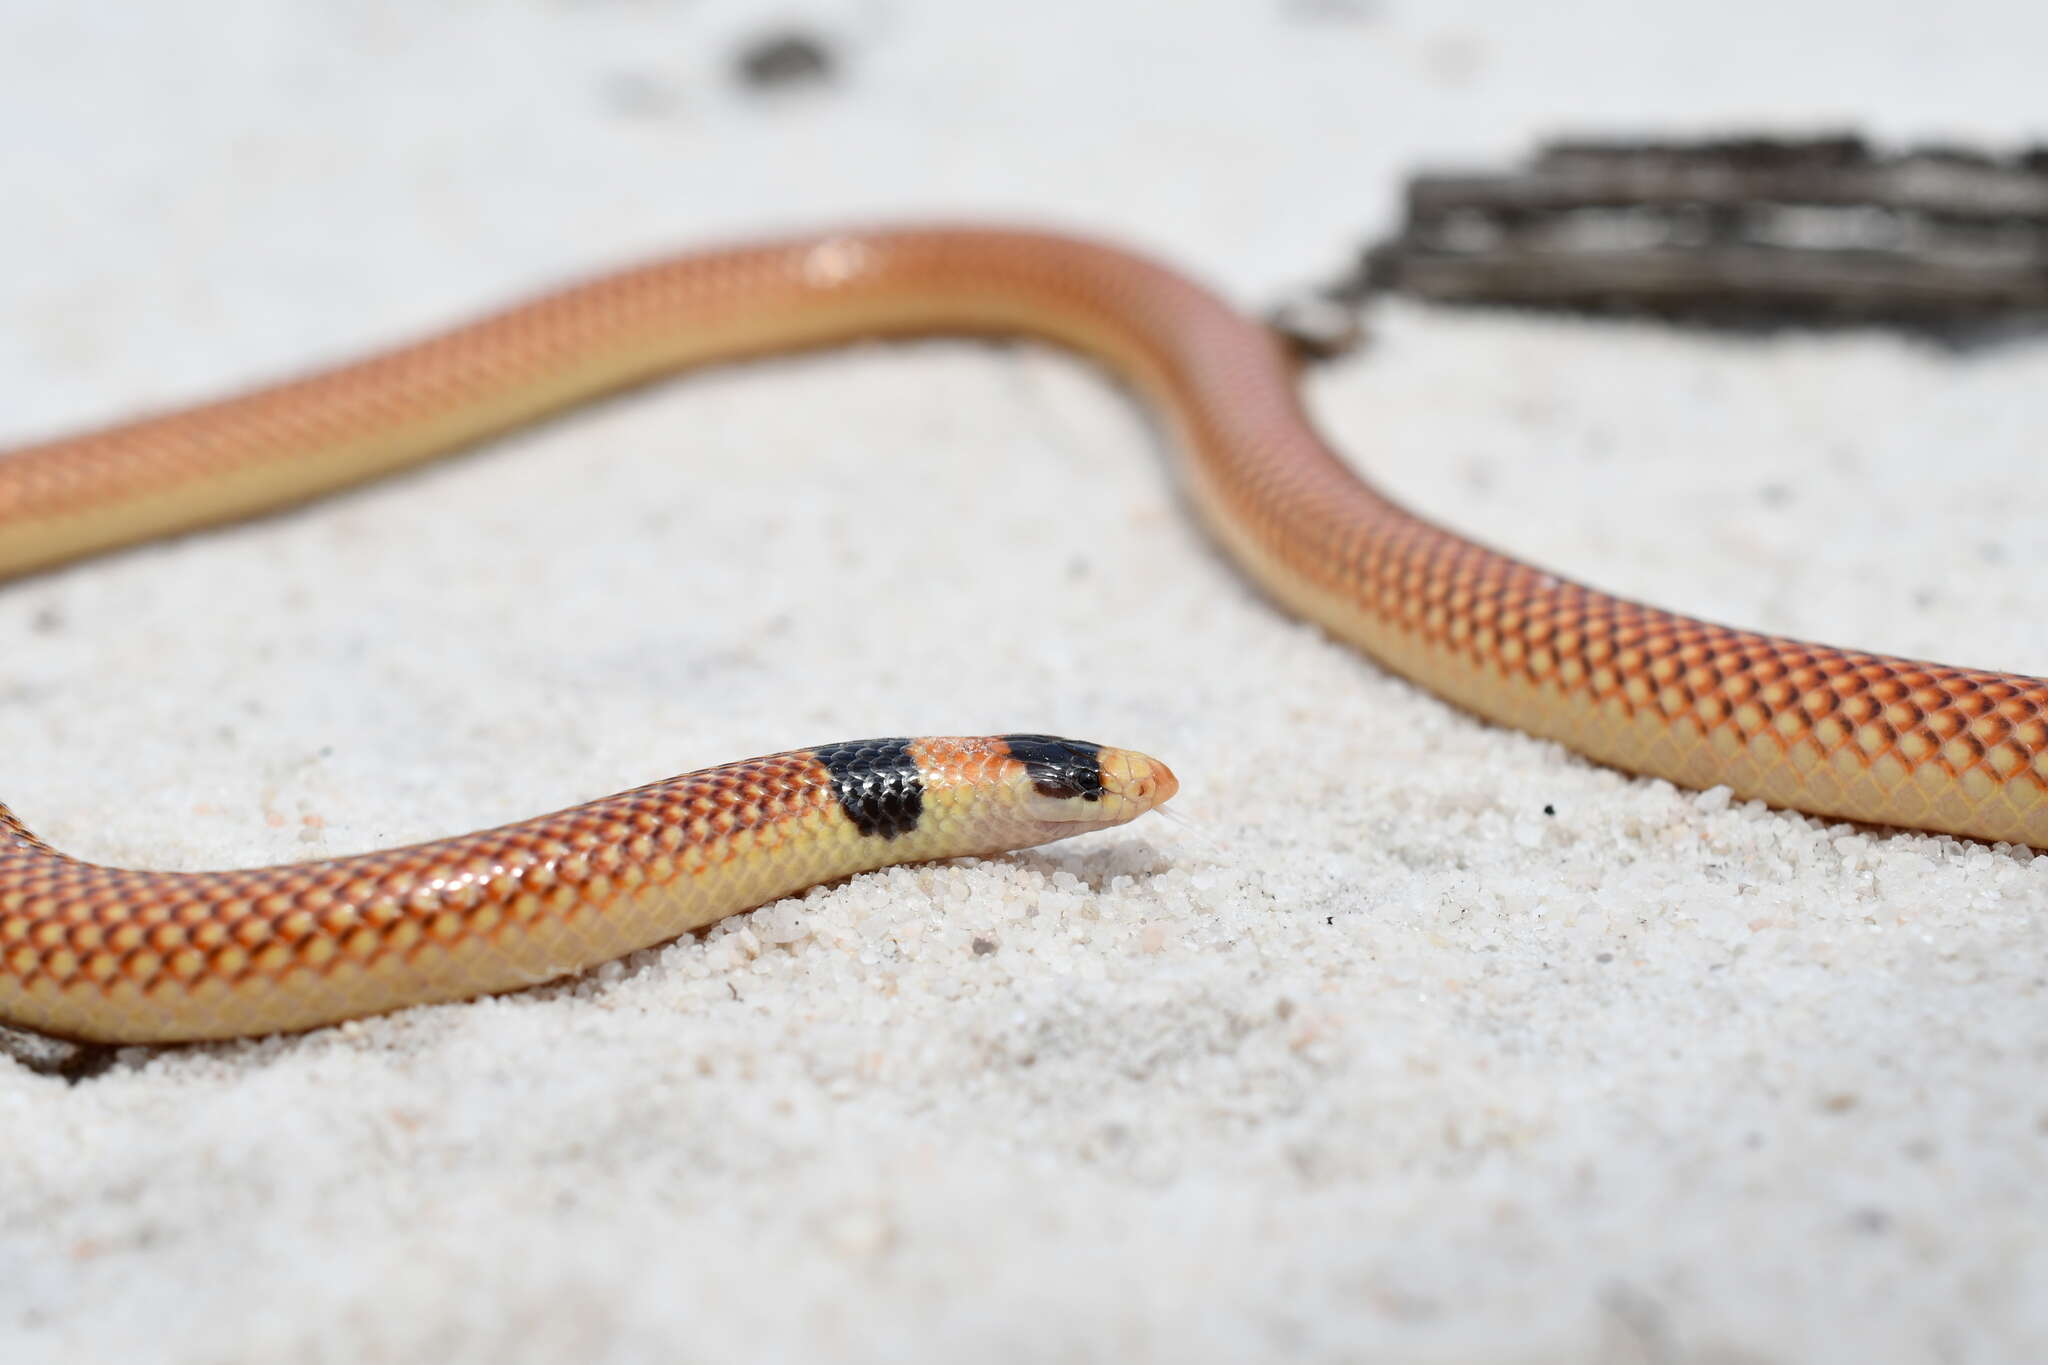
111,954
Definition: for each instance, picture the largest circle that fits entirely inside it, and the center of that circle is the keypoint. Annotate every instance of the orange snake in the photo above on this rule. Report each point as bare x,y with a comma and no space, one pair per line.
109,954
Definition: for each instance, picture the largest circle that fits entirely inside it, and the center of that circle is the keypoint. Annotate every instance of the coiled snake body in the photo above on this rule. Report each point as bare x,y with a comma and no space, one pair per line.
110,954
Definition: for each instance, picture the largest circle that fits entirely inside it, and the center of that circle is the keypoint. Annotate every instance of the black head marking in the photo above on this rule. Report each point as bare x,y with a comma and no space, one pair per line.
1060,767
878,784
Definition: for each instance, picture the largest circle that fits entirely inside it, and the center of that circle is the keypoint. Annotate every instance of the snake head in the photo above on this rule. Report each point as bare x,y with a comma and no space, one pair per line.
1077,785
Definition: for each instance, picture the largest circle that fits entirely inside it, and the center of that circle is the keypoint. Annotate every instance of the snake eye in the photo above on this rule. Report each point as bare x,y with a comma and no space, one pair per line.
1060,768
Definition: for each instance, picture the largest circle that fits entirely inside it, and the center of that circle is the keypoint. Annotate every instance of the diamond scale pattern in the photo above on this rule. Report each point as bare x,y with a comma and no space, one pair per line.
105,952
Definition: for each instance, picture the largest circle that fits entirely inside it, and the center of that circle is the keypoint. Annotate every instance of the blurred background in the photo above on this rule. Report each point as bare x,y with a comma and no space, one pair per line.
334,171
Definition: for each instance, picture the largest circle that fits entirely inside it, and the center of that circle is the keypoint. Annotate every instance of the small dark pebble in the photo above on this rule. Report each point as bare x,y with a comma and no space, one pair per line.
1604,957
1549,810
983,947
782,61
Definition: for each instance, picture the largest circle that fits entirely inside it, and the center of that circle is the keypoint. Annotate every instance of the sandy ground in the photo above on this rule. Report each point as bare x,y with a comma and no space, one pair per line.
1383,1063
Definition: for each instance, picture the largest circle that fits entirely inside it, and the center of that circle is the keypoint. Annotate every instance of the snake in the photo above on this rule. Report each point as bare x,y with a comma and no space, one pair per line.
110,954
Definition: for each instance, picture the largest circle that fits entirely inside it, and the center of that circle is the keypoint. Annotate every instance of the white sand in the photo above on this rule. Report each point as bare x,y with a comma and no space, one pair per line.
1390,1067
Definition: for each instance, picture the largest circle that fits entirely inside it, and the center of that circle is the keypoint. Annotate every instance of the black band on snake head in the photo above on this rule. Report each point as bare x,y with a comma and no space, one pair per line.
1060,767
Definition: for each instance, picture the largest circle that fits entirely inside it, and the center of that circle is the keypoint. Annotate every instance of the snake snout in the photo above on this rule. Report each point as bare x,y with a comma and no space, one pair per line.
1134,783
1139,778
